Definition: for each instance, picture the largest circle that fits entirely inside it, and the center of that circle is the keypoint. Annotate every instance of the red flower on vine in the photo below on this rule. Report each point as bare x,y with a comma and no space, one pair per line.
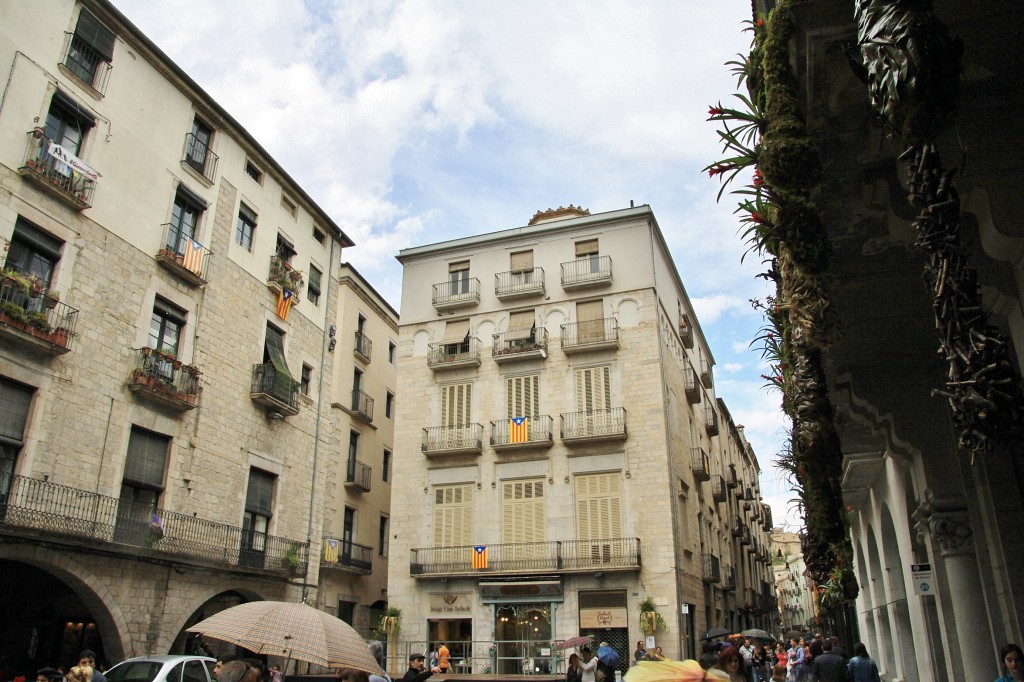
758,178
716,111
720,168
757,217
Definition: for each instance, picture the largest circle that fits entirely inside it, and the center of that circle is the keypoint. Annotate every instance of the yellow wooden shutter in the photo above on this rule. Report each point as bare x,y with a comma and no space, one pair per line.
598,513
524,517
521,260
593,389
522,397
586,248
453,516
456,404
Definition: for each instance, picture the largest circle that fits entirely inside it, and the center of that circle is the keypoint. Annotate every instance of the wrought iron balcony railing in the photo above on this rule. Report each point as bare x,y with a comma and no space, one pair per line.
718,490
686,331
533,431
590,335
711,419
274,390
712,572
162,378
56,170
362,405
587,271
34,316
183,256
458,438
706,376
565,556
700,464
345,554
364,346
519,284
534,346
200,157
36,506
594,425
692,386
284,276
358,475
441,356
456,293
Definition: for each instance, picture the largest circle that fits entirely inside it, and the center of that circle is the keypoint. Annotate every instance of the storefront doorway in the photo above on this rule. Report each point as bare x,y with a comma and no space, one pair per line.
523,638
457,635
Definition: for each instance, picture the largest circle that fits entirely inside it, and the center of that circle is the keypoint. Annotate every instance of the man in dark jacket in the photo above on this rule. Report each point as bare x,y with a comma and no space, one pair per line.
417,671
828,667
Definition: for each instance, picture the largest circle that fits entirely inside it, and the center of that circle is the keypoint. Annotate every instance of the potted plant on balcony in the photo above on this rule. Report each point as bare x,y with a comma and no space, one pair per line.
39,322
650,619
291,558
391,621
13,314
51,299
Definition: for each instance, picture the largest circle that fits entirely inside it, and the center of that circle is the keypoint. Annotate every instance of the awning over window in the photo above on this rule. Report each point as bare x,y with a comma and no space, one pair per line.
14,403
520,326
282,377
455,332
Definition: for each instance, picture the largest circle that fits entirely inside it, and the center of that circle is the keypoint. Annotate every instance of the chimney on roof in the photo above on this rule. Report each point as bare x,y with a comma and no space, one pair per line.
560,213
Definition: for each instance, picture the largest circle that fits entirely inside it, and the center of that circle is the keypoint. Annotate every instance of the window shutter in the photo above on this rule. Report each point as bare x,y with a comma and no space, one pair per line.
586,248
147,459
520,261
14,405
459,266
95,34
598,506
593,389
589,310
453,521
524,519
520,325
522,396
260,494
456,404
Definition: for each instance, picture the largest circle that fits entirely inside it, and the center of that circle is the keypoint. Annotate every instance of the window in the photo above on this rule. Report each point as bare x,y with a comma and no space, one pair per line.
319,235
348,532
391,352
389,405
453,515
346,612
593,389
522,396
197,146
588,249
141,484
289,206
91,50
599,512
523,517
382,536
284,248
165,327
521,265
279,381
385,465
15,401
353,455
459,277
32,252
456,401
590,322
253,171
456,338
519,333
259,499
246,226
186,212
67,123
313,287
304,382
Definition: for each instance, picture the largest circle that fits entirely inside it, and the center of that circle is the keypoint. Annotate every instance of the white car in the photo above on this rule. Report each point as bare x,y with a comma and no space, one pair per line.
163,668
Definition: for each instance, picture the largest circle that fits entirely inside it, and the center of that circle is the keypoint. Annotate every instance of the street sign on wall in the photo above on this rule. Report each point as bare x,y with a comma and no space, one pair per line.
924,581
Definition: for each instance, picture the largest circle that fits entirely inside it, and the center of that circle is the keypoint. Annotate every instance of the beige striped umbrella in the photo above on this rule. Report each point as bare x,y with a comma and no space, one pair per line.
296,631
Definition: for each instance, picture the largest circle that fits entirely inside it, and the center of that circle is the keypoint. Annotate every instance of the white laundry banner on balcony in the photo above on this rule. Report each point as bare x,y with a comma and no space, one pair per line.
72,161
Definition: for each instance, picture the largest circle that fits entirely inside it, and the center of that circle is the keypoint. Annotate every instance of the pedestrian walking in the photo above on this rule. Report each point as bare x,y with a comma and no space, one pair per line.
829,667
861,667
1013,663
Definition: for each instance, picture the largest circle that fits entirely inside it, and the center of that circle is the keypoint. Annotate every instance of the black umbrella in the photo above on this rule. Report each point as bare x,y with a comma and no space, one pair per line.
715,632
761,635
792,634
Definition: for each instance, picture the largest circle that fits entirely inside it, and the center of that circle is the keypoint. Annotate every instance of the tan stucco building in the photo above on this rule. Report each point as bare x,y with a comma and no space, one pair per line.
560,450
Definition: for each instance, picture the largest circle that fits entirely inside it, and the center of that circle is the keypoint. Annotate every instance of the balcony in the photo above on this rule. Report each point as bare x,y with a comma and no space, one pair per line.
568,556
594,425
58,172
694,394
591,335
363,347
686,331
534,347
533,432
744,535
183,257
283,276
712,572
729,582
459,293
357,475
582,273
274,390
162,379
200,158
519,284
445,356
347,556
711,419
718,491
706,376
732,480
452,440
35,508
33,317
748,498
768,525
700,464
362,406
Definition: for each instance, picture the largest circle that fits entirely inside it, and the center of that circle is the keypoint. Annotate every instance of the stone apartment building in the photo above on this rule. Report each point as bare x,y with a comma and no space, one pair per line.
172,312
793,587
561,451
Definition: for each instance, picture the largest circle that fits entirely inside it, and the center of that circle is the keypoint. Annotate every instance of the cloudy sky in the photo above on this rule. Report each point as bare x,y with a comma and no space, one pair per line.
416,121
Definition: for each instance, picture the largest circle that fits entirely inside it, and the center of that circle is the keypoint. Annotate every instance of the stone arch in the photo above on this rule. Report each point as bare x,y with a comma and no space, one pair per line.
869,635
883,628
205,597
899,609
87,586
628,312
420,340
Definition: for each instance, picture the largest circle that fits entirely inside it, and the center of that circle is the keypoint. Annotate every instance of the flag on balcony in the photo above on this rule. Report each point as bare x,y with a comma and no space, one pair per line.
331,550
479,556
518,430
193,259
284,303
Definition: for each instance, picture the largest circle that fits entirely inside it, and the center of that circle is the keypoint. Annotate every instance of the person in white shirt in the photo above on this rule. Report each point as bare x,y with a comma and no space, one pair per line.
588,668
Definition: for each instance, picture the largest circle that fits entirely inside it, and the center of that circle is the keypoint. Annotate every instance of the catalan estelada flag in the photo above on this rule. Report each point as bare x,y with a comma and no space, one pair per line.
331,550
479,556
518,430
284,303
193,259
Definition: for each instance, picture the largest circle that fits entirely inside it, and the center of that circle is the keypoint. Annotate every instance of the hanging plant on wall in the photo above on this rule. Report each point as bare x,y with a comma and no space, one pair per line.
650,619
391,621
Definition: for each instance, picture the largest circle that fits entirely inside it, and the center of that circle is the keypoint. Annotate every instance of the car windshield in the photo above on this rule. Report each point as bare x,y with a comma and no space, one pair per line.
133,671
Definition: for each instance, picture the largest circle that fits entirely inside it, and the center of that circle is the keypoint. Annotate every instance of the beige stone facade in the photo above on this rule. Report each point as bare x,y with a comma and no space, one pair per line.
166,436
627,481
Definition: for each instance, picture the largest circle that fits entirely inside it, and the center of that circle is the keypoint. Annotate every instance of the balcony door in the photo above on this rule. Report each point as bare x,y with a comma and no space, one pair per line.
456,413
598,517
138,521
15,401
593,399
348,533
459,278
258,511
186,212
